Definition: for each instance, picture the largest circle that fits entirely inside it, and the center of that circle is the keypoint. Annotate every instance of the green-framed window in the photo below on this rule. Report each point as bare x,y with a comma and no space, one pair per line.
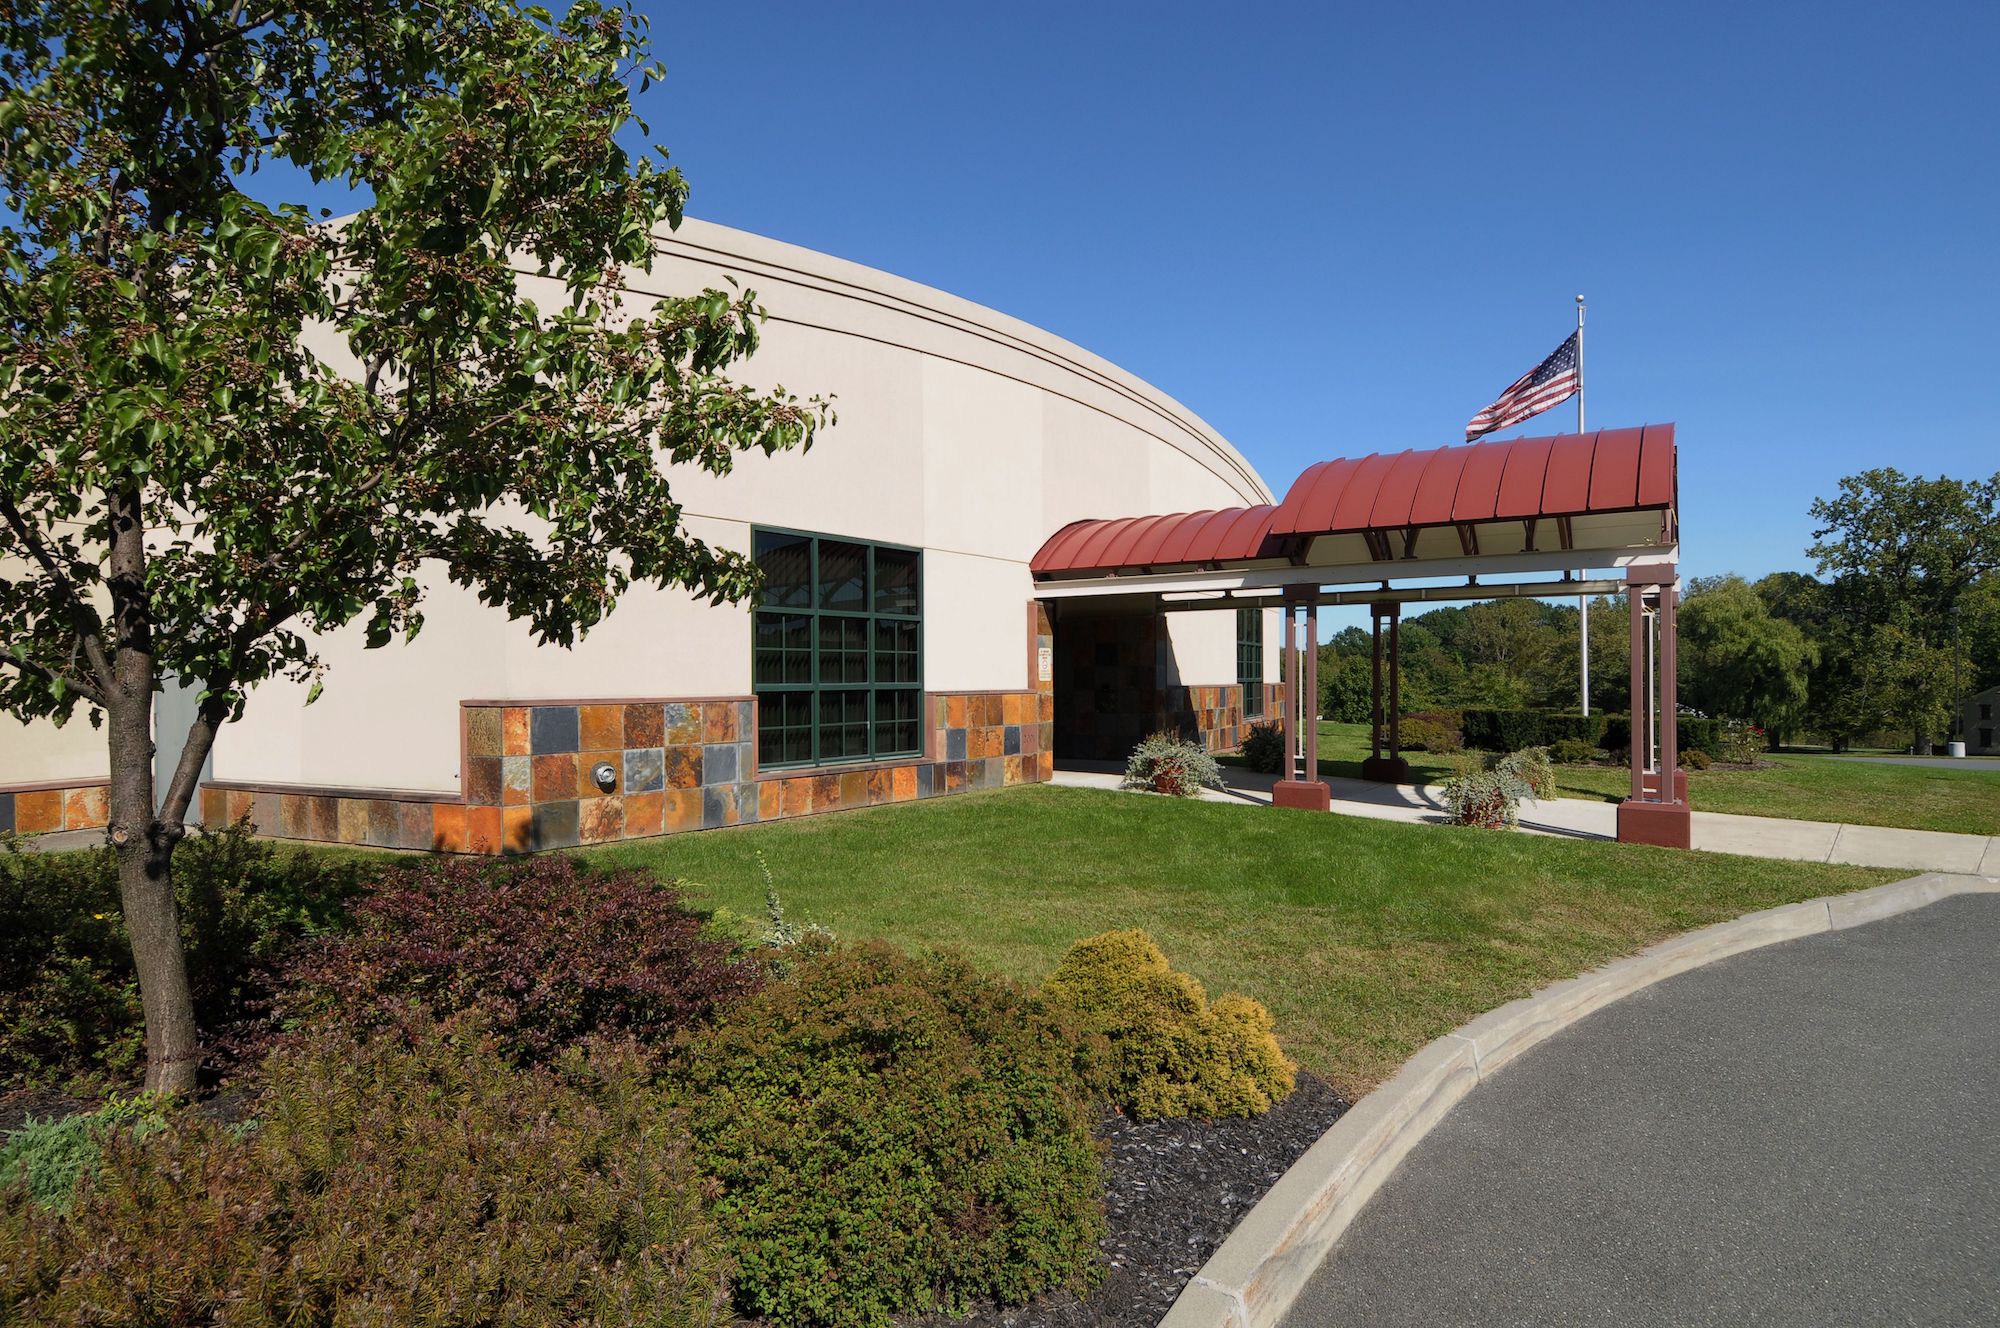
837,650
1250,659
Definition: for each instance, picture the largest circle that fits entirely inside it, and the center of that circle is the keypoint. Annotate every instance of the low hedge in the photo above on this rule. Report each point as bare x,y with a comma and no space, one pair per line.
1512,730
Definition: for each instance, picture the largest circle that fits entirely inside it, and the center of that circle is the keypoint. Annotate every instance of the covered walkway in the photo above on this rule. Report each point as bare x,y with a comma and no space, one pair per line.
1524,518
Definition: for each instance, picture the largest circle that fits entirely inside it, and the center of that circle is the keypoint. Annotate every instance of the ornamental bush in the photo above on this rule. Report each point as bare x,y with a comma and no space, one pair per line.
1166,764
1159,1047
1488,799
1531,767
69,997
1694,758
428,1183
1574,751
1264,748
893,1134
544,951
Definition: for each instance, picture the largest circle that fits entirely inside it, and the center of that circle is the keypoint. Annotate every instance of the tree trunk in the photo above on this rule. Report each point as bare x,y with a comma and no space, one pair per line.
142,839
1920,745
144,845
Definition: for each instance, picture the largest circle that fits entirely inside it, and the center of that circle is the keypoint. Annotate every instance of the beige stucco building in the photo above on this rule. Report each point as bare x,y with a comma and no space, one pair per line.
901,652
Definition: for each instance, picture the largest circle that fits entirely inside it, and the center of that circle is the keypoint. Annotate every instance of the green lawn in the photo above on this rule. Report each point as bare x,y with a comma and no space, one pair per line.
1366,938
1805,787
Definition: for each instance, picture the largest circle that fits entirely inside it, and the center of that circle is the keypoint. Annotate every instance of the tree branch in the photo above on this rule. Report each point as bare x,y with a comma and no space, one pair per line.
194,753
84,621
94,695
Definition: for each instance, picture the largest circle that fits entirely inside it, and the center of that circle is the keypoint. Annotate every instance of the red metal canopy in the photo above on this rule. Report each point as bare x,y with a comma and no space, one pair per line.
1566,476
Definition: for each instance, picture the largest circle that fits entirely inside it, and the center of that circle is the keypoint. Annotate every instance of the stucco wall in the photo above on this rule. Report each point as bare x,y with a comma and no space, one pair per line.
961,431
41,753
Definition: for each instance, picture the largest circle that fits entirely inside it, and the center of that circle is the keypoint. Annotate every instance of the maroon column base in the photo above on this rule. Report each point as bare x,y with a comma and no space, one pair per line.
1665,824
1305,794
1385,769
1652,782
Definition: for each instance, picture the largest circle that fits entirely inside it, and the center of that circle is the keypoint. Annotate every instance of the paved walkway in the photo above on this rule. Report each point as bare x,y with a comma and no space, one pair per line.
1717,832
1807,1134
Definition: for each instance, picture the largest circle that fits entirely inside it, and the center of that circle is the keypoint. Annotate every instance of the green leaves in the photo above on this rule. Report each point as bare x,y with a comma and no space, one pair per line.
317,422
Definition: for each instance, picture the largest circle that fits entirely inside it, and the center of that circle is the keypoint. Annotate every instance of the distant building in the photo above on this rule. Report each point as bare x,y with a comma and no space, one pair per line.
1977,723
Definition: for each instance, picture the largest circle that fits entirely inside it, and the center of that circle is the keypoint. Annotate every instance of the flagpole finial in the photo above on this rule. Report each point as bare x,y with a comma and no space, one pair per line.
1579,299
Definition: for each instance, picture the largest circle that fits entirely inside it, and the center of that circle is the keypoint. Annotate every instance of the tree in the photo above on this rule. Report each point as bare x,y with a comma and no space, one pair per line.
1739,661
187,490
1346,683
1903,552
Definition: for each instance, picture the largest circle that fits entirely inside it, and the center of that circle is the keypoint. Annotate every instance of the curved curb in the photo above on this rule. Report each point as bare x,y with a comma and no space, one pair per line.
1253,1279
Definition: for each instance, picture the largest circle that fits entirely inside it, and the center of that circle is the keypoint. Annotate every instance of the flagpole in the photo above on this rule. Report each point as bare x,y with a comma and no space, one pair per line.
1582,601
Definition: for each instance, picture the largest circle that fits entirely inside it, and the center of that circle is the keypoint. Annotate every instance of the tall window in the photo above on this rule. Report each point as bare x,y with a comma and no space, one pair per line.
1250,659
838,650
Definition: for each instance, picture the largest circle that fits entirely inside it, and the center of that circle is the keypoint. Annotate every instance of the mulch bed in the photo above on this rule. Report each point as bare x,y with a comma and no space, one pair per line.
1174,1191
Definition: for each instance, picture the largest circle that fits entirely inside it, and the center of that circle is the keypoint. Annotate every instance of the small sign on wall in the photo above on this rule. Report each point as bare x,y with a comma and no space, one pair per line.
1045,663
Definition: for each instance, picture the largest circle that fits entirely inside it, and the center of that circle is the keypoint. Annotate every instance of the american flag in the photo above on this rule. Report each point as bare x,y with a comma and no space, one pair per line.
1549,383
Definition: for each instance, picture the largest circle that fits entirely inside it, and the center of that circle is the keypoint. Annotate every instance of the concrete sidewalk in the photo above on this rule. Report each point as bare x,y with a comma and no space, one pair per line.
1715,832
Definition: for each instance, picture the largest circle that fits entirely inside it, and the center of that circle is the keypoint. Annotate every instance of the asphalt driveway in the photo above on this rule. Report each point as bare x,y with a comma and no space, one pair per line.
1805,1134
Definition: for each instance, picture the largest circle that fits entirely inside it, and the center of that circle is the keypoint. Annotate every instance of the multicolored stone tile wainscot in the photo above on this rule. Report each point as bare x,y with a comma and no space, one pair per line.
40,809
557,774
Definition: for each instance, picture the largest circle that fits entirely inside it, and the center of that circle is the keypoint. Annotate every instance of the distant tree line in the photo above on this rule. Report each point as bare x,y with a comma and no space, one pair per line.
1902,620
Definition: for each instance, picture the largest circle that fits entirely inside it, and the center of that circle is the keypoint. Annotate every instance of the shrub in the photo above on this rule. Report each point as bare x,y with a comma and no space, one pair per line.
893,1134
544,951
1165,764
69,998
1488,799
1264,747
1741,743
1574,751
51,1156
1694,758
1694,732
1530,766
1438,731
1166,1051
1511,730
428,1184
1423,735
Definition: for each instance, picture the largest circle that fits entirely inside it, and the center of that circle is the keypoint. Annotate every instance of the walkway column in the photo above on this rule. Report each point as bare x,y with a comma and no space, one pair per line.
1309,713
1396,684
1289,671
1390,769
1305,790
1375,690
1657,812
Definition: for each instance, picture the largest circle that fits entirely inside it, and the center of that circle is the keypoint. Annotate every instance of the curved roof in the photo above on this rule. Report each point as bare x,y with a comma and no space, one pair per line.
1521,479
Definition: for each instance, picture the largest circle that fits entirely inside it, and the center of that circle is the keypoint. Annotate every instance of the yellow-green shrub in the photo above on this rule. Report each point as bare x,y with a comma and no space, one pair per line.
1164,1049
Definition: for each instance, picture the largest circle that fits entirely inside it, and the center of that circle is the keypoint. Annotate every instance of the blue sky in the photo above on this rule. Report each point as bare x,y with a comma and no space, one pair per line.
1337,229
